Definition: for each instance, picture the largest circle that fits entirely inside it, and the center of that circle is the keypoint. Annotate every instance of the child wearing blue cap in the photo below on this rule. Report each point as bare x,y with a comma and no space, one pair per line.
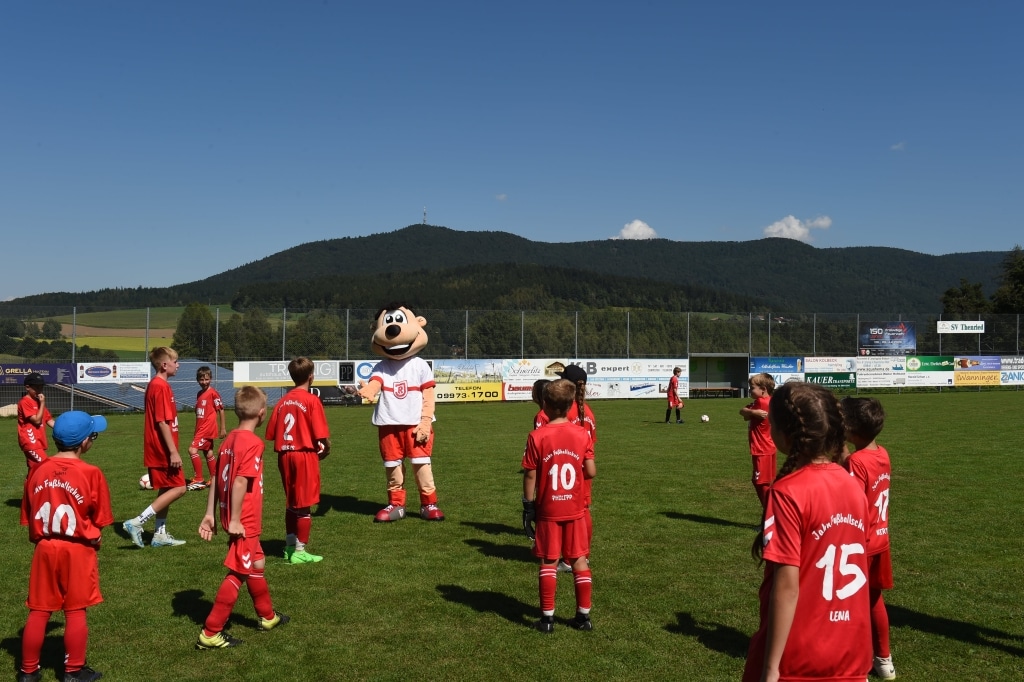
65,505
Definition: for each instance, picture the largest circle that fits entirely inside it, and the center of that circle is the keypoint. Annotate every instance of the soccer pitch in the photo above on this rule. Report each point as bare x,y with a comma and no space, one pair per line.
675,589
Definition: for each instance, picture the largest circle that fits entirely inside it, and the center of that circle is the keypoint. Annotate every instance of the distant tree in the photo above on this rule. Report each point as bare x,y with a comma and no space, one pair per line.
31,330
318,334
196,333
1009,297
264,344
968,298
12,327
51,329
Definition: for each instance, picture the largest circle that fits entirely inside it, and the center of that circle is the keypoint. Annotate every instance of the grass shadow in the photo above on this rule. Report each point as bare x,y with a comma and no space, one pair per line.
715,636
968,633
192,605
53,649
486,601
507,552
493,528
346,504
14,502
697,518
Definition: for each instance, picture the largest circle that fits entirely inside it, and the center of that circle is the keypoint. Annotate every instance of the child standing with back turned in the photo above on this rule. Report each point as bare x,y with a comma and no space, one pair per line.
33,418
870,467
298,427
558,457
814,609
237,496
65,506
759,434
209,411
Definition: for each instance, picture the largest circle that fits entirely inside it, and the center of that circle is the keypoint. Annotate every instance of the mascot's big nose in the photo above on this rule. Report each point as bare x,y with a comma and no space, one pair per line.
392,331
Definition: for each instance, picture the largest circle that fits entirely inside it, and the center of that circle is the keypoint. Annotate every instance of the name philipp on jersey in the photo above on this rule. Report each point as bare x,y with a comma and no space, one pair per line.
64,485
836,520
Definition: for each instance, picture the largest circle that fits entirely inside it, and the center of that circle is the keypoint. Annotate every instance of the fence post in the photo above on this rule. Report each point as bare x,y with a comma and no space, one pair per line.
466,345
284,323
576,336
74,345
814,334
347,311
216,341
769,333
627,333
146,349
522,334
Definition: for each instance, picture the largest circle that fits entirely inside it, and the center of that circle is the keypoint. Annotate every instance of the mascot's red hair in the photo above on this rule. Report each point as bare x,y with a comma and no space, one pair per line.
404,413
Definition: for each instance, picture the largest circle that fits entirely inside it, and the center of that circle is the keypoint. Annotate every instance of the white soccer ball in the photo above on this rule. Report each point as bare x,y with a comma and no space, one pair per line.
704,418
144,483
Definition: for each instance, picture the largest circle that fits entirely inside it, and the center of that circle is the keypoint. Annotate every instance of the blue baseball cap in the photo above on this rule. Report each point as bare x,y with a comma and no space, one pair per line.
72,428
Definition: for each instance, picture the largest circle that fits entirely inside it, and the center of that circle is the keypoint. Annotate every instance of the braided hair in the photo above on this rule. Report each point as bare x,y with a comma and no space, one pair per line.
811,423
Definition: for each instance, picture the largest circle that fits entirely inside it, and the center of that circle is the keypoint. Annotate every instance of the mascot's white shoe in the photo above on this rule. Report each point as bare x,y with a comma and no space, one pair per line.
392,512
430,512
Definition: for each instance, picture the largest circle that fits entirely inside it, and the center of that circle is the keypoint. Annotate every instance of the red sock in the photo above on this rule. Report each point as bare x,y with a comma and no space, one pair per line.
197,465
302,526
76,639
584,586
547,581
211,466
260,593
32,640
879,625
290,521
227,595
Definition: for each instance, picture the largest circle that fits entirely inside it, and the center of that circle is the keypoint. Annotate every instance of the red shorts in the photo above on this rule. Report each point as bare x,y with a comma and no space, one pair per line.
399,442
34,458
202,445
162,478
300,476
65,576
557,539
242,554
764,469
880,570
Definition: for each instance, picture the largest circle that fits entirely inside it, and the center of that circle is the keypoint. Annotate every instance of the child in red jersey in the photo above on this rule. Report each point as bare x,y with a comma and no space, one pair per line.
870,467
815,613
672,393
559,457
65,506
298,428
537,393
237,496
160,451
209,411
762,448
33,418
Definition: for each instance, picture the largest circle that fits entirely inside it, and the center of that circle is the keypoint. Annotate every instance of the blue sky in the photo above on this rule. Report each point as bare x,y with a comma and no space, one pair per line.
149,144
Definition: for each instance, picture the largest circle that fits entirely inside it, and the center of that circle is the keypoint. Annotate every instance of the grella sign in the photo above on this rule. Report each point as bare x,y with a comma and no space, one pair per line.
960,327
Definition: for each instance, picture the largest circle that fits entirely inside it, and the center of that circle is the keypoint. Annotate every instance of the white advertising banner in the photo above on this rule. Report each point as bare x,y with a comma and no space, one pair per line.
606,378
113,372
1011,371
889,371
830,365
960,326
275,374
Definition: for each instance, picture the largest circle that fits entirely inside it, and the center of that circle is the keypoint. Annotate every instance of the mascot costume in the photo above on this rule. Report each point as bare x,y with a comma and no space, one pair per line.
404,413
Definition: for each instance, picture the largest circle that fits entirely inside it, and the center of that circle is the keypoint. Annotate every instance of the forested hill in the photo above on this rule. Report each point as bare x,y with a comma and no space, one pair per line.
783,274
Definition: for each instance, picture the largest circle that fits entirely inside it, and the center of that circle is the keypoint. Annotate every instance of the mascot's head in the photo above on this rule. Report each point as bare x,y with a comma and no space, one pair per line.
397,333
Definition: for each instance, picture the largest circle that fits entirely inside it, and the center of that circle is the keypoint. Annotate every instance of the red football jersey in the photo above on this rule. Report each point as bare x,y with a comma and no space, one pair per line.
573,415
30,436
872,471
160,407
816,520
66,498
241,454
557,452
760,430
208,404
297,422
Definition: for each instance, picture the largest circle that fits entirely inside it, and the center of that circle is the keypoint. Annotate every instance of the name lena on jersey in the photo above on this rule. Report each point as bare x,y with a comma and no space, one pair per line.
838,616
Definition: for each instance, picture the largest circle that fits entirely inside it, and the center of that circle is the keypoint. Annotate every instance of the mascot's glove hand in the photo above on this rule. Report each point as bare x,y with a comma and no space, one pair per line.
529,518
422,430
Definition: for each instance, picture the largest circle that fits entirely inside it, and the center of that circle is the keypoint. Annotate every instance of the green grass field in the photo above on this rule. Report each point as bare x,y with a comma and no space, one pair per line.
674,584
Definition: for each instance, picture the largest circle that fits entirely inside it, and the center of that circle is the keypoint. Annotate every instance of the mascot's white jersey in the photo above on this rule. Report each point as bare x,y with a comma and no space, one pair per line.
401,397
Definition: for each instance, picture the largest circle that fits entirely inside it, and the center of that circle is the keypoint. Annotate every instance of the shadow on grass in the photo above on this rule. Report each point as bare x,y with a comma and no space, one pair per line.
715,636
52,651
346,504
493,528
14,502
509,552
697,518
968,633
192,605
486,601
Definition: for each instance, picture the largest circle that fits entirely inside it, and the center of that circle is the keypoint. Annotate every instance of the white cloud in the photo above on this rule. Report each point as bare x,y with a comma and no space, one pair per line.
898,147
636,229
501,197
792,228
